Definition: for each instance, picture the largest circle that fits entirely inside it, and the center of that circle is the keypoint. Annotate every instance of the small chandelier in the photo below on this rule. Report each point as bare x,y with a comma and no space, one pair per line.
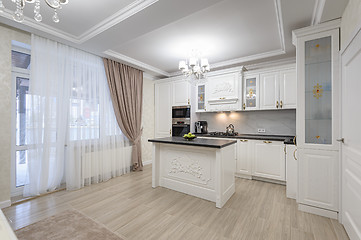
20,5
195,66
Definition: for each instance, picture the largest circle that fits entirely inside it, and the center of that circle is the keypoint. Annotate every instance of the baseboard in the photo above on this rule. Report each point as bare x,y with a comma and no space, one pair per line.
268,180
147,162
5,204
318,211
239,175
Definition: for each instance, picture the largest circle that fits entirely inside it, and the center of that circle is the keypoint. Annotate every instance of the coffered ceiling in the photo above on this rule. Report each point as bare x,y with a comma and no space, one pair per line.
154,35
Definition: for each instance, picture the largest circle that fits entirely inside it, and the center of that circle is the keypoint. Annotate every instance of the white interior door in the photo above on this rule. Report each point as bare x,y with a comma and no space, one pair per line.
351,132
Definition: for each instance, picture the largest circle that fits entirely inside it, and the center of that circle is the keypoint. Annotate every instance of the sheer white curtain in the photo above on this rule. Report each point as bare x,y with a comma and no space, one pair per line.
75,137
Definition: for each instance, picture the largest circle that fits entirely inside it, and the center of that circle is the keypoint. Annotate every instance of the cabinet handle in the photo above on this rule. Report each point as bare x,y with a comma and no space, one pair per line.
277,104
284,149
244,106
267,142
222,98
294,154
170,132
281,104
188,101
243,140
294,141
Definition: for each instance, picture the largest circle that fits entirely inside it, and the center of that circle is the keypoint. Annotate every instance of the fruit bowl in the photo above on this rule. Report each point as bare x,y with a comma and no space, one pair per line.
189,136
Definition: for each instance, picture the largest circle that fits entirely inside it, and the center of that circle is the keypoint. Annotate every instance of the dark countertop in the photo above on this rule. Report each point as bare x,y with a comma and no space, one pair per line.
202,142
287,139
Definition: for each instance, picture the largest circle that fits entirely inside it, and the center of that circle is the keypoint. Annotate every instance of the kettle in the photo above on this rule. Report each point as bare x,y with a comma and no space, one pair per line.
230,129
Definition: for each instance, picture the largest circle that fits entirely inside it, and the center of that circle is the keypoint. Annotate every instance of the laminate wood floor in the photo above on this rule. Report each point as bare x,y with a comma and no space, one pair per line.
131,208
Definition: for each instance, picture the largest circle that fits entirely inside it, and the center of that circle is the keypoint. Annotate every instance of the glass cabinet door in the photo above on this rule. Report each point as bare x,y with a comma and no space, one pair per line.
201,104
318,91
250,92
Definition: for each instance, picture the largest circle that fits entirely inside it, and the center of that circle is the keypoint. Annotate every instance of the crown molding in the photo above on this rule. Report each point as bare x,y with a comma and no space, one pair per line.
149,76
315,29
280,24
30,22
135,62
317,12
116,18
248,58
104,25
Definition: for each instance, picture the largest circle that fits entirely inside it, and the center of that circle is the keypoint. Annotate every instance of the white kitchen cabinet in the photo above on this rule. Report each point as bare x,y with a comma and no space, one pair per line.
251,92
291,171
269,160
163,109
222,92
288,89
201,98
318,178
181,93
318,117
269,90
245,153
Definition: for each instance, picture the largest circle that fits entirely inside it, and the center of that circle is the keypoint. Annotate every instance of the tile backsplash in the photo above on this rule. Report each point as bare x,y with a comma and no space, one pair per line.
275,122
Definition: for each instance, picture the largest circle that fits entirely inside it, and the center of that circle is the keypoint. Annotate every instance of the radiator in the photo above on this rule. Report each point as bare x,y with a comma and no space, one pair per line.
92,167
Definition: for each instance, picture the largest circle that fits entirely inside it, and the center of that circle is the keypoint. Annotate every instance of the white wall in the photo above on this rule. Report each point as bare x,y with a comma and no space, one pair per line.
6,35
351,20
147,118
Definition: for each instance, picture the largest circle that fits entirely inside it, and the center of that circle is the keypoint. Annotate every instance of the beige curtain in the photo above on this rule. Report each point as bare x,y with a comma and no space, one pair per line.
126,90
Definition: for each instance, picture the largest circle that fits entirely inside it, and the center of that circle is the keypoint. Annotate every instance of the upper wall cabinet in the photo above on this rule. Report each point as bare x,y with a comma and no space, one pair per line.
251,92
223,92
278,89
181,93
201,98
288,89
270,90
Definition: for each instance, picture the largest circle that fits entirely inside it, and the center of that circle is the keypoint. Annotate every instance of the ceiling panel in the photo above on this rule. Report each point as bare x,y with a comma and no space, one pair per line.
227,30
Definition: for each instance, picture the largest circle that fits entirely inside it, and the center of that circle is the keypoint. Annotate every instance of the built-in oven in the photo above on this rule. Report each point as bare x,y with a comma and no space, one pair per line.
180,126
181,112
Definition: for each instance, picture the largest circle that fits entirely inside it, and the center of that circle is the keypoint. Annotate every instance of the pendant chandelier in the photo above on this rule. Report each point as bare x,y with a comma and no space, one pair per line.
195,66
20,5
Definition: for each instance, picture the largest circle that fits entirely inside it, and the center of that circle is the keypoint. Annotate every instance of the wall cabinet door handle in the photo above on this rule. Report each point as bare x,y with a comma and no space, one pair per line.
243,140
277,104
281,104
294,154
170,132
284,149
267,142
244,106
341,140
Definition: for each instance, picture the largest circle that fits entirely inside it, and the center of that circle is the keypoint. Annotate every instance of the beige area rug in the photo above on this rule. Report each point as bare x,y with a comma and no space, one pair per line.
70,224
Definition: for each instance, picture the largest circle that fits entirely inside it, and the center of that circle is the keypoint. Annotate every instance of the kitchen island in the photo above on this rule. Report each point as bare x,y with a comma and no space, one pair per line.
201,167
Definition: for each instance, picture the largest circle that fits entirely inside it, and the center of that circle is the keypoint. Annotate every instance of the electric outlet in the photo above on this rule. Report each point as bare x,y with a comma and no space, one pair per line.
261,130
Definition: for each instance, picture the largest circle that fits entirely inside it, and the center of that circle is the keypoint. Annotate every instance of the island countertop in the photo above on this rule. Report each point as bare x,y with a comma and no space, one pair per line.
201,142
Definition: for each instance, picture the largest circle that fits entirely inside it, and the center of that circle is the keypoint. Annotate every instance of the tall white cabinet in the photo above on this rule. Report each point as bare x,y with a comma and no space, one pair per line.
163,109
318,86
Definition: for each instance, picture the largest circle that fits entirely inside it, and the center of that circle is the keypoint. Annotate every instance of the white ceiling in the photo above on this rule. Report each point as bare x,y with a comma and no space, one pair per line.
154,35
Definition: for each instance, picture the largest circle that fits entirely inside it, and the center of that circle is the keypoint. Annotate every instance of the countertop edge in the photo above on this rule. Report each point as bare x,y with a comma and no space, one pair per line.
195,144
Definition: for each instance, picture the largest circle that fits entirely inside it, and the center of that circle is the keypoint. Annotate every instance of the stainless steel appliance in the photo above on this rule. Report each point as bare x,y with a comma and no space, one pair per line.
181,112
201,127
181,119
180,126
230,129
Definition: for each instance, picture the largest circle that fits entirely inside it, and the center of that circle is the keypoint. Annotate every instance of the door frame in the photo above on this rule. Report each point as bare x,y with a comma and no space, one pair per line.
25,73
